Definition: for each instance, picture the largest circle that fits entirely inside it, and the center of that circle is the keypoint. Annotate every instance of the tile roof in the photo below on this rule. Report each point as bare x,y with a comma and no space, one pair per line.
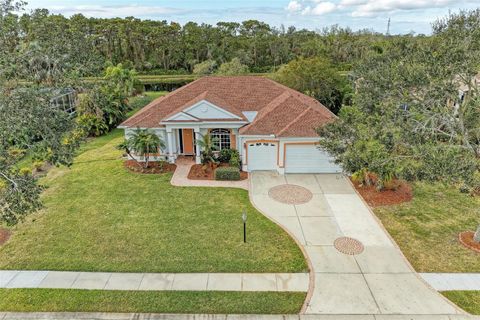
281,111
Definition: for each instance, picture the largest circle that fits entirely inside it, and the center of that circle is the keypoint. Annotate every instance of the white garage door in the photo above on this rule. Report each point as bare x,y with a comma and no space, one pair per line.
308,158
262,156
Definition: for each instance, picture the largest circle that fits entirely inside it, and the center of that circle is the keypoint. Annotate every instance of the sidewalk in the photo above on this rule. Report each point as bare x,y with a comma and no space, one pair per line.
281,282
452,281
153,316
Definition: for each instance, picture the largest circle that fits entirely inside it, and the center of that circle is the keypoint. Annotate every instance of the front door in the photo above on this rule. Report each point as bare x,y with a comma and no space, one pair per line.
187,135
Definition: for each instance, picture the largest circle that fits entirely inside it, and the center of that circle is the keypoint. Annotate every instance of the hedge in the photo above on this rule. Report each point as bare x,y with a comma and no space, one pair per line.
227,173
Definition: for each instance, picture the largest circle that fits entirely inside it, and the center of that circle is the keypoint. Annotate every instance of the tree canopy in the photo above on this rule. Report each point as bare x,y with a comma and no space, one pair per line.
416,111
316,77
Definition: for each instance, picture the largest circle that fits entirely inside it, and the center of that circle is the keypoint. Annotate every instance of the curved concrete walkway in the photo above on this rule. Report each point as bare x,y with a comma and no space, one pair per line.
180,178
377,281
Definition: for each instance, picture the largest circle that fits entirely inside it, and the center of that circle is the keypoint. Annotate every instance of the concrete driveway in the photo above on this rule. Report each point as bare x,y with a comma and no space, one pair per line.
377,281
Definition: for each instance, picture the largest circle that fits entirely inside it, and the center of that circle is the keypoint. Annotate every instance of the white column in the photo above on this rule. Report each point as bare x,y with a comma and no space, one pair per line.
197,138
171,158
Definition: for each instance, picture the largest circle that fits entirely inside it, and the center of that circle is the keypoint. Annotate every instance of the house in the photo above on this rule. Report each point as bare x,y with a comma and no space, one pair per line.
272,126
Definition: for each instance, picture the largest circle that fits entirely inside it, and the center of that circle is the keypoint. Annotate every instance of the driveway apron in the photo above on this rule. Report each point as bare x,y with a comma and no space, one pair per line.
377,281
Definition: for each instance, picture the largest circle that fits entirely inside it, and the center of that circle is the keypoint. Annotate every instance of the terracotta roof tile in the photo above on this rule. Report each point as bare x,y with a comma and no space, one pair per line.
281,110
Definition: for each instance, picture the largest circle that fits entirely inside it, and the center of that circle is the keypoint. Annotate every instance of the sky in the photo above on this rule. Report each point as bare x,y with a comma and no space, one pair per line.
406,16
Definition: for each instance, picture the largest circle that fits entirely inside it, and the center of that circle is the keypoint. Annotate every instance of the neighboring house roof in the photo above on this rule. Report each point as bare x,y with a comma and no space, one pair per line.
280,110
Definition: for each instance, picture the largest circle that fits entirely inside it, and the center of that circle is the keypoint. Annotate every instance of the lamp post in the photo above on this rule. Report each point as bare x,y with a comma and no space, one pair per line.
244,218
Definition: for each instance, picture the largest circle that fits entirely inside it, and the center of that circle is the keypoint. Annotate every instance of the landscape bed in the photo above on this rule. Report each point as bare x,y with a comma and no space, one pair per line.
197,172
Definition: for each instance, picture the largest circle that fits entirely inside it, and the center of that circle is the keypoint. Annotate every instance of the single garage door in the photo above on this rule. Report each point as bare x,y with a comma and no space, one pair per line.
308,158
262,156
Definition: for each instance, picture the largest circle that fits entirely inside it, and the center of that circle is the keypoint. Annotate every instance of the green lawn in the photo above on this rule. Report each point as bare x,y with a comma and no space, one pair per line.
100,217
138,102
51,300
427,228
467,300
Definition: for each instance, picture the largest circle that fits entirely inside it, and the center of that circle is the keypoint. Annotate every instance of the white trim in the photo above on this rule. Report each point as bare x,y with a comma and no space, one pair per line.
216,123
211,105
182,114
269,136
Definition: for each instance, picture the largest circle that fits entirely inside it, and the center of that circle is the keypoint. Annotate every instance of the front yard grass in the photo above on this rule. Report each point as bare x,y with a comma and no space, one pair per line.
58,300
467,300
100,217
427,228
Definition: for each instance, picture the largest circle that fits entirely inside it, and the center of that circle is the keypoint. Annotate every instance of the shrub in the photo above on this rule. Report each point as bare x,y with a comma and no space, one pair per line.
235,160
227,173
233,68
25,171
92,125
37,165
205,67
226,154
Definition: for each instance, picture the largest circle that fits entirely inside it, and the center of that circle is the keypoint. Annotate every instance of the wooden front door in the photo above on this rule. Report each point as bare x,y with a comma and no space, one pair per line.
187,135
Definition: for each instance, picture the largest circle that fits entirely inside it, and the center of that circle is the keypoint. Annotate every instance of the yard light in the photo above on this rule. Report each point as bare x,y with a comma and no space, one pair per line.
244,218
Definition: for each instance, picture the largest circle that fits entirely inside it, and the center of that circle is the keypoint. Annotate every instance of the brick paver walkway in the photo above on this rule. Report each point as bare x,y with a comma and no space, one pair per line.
155,281
180,179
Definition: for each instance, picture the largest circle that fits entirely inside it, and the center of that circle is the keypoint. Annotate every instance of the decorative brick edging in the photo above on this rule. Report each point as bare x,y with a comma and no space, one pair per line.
466,245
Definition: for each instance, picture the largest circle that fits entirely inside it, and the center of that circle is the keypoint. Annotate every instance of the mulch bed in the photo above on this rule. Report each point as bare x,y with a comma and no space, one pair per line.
4,235
200,172
466,238
153,167
375,198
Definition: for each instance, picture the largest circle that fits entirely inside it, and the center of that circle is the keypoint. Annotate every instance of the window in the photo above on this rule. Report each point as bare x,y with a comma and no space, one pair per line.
221,138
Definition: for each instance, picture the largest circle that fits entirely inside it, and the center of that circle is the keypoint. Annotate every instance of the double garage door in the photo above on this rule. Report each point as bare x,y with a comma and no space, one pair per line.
299,158
308,158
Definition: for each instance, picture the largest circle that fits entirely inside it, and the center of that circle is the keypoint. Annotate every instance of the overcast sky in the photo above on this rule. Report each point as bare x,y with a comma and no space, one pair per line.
406,15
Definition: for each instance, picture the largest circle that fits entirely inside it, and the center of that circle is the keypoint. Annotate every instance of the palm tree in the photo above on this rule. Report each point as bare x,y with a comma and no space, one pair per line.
143,142
208,147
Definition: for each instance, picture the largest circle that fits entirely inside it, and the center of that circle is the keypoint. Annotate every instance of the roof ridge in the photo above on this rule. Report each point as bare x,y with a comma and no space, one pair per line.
180,108
294,120
297,94
225,105
272,105
144,112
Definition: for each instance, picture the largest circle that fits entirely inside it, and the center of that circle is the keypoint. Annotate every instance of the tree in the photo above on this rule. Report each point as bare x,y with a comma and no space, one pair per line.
408,119
29,121
317,78
232,68
208,147
143,142
121,79
205,67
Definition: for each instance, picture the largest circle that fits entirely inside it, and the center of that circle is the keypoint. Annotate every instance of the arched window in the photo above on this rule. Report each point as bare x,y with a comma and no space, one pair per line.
221,138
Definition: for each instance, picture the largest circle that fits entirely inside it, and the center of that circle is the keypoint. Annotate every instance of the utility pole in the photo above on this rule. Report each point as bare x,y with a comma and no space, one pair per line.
388,27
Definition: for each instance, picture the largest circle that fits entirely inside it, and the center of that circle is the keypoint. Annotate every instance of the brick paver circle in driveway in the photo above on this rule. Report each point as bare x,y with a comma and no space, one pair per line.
348,245
290,194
